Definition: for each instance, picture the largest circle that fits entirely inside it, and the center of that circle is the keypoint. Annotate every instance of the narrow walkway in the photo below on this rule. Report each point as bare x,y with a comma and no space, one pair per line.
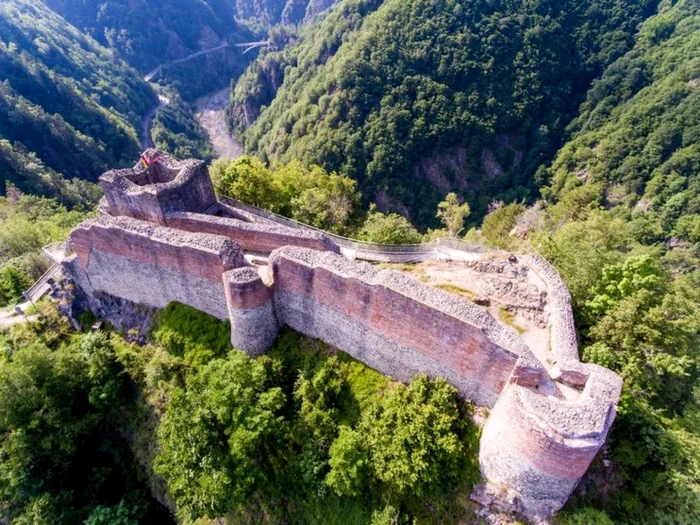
38,290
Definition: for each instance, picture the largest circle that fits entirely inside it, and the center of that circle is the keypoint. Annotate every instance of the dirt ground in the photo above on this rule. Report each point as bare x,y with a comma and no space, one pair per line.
509,290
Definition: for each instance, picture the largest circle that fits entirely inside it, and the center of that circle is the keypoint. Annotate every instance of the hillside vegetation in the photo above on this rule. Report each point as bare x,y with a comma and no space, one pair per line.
592,105
68,108
416,98
636,143
621,223
304,434
272,12
157,32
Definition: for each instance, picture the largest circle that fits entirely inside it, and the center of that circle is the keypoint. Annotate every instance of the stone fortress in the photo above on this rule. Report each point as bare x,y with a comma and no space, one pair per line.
162,236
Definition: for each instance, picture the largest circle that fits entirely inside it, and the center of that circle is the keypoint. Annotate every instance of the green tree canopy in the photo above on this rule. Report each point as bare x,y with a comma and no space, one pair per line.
452,213
390,228
218,434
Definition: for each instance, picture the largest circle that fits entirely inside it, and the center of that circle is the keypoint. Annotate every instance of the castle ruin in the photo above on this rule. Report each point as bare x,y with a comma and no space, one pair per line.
162,236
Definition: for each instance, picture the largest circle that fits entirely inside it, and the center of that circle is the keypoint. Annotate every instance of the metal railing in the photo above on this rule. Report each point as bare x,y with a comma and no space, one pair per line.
40,287
370,251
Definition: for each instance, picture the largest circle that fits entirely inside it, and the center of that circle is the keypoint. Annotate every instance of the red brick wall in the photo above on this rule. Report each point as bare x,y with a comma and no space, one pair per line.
245,290
548,452
137,247
456,345
252,238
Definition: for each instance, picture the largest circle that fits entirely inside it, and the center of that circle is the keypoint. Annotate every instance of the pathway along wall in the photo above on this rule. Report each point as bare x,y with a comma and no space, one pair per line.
537,443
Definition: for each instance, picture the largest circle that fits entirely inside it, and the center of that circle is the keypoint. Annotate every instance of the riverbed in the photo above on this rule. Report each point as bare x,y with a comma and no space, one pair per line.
211,113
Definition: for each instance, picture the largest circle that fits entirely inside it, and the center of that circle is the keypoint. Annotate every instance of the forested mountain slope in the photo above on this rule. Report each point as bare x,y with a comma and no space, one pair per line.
152,33
421,97
637,139
67,106
272,12
147,34
621,223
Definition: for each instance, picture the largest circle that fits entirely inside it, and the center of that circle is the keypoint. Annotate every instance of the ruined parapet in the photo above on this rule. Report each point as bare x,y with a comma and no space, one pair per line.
540,446
254,325
537,446
148,191
543,431
152,265
258,237
398,325
564,344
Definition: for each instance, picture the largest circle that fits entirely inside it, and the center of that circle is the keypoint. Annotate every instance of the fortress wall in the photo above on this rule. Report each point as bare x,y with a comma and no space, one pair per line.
153,285
153,265
253,237
540,446
564,342
141,205
396,324
191,190
254,325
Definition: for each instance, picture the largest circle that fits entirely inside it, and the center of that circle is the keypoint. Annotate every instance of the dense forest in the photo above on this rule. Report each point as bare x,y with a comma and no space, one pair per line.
83,412
274,12
67,107
416,98
622,225
154,33
147,34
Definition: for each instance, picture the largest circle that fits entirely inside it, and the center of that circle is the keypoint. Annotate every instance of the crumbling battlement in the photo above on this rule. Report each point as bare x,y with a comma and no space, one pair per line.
540,446
181,195
147,192
398,325
160,238
152,265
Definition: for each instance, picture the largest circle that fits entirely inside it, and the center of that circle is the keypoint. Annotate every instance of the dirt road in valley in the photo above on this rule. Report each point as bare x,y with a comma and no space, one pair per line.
146,141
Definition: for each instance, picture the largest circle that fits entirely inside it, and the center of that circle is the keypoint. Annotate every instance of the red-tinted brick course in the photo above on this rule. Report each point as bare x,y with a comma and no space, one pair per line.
252,237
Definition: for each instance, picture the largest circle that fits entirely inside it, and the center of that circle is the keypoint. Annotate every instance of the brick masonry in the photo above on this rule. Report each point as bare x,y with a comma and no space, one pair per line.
157,241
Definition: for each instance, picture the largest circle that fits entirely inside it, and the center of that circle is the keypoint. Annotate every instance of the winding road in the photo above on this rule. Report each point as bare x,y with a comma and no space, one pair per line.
210,108
146,141
218,140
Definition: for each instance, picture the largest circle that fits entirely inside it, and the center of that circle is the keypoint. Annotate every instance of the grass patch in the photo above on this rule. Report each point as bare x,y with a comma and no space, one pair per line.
509,319
457,290
195,336
400,267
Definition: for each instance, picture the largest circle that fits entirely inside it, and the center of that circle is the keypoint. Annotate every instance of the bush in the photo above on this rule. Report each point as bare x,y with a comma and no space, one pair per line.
13,282
499,223
389,229
195,336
